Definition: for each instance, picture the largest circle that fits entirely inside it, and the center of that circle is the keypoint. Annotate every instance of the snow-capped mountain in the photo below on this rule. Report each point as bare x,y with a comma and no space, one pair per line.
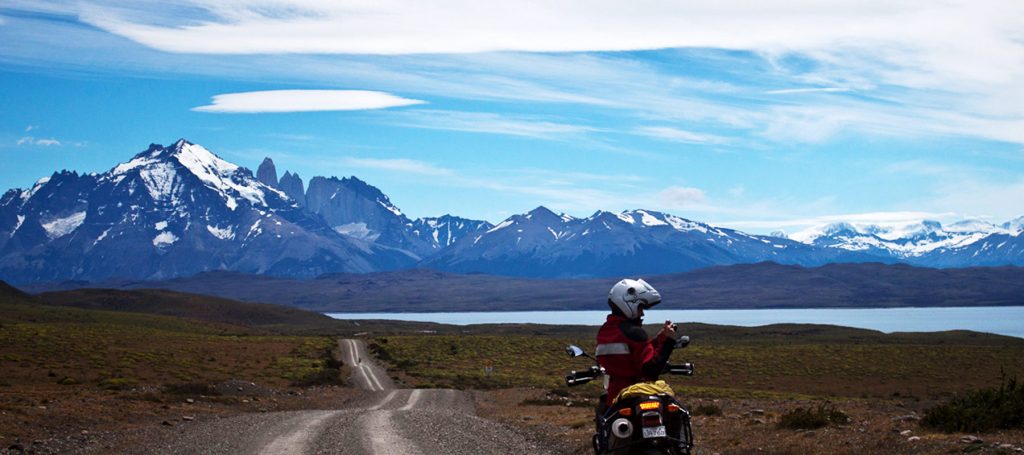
963,243
175,211
444,231
544,244
171,211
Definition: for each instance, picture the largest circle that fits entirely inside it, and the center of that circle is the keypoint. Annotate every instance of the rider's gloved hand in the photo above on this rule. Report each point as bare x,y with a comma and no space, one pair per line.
668,330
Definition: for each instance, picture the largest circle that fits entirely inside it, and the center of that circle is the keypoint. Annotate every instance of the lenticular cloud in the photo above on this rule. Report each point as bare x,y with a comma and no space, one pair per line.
303,101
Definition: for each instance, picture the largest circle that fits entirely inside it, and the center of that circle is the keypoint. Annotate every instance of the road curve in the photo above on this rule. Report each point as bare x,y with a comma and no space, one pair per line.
389,421
366,374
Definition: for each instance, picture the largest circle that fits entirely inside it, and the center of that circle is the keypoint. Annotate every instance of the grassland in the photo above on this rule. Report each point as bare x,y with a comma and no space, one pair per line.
71,365
69,369
775,360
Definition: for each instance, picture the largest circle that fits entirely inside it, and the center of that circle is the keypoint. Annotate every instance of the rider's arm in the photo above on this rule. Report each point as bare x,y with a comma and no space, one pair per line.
656,365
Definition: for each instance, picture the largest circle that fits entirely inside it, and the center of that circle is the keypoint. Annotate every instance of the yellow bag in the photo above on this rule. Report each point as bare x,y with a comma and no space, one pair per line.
645,389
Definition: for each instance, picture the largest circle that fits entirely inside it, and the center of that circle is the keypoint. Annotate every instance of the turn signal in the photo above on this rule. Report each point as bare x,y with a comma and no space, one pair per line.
649,405
626,412
673,408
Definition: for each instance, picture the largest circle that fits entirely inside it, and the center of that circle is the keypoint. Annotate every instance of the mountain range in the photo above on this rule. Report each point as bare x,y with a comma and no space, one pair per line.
179,210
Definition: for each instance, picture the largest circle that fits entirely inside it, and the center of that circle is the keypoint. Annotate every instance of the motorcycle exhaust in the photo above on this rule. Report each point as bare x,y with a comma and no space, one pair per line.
622,428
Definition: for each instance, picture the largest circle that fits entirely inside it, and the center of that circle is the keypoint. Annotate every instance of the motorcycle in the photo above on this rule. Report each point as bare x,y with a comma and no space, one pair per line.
654,424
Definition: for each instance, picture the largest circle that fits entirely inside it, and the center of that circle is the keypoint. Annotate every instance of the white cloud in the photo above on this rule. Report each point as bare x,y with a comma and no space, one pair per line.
398,165
30,128
678,135
44,142
905,78
483,122
303,101
680,197
809,90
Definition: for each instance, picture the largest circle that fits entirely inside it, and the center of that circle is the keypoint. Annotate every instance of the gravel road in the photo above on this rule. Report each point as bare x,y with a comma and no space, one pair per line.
386,421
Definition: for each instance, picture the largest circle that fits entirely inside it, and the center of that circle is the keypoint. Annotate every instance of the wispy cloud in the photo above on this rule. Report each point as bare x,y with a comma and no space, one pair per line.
398,165
681,197
678,135
809,90
303,101
483,122
44,142
30,128
904,78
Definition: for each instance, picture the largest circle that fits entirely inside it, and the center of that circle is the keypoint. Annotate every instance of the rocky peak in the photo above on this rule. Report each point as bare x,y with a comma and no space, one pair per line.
267,172
292,186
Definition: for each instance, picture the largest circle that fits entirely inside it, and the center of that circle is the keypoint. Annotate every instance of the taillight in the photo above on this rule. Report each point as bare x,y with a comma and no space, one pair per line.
649,405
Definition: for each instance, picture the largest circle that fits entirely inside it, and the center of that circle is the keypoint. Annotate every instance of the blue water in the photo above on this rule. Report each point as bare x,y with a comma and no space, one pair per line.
1002,320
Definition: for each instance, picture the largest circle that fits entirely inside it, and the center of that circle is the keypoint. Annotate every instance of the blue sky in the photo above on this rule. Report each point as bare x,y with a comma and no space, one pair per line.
781,115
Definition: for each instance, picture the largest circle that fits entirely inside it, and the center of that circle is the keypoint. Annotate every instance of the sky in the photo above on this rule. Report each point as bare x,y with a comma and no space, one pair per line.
760,116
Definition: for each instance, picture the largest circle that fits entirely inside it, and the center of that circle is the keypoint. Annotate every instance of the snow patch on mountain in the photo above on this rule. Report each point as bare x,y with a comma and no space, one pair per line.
500,226
159,180
390,207
164,239
357,230
25,196
102,236
160,225
63,226
650,220
221,233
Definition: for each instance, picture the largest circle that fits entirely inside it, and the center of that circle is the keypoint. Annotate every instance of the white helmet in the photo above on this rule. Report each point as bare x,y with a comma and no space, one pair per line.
629,296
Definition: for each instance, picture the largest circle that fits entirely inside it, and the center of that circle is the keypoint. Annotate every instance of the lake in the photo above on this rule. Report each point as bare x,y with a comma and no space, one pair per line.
1002,320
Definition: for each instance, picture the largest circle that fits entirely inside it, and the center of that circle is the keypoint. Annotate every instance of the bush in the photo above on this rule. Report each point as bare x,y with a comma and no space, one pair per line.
707,409
809,419
190,389
118,383
326,376
993,408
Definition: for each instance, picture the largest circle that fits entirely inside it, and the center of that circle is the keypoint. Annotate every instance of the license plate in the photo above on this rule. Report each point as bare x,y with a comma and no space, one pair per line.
654,432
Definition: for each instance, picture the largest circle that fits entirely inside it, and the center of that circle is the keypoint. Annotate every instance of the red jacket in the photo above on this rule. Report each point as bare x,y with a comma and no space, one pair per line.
628,355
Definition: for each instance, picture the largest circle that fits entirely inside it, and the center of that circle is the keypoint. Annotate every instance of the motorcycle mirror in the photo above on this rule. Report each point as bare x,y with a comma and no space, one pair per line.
574,351
683,341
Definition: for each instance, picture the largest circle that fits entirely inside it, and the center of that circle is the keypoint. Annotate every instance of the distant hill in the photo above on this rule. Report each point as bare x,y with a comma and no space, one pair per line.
265,317
10,294
763,285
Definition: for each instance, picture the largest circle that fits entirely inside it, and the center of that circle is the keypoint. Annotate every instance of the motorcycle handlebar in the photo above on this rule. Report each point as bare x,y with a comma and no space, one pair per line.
683,369
583,377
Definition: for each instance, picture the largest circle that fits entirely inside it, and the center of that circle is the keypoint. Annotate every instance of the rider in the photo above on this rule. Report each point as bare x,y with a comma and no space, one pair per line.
623,347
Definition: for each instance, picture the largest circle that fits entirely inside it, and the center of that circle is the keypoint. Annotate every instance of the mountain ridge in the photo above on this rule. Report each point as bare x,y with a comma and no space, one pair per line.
742,286
180,210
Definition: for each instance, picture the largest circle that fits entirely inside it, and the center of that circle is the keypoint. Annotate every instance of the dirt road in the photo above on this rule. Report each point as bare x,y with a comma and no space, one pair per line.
387,421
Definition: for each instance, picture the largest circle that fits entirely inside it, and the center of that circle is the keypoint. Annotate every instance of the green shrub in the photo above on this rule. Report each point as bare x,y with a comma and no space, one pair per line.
326,376
988,409
118,383
190,389
811,418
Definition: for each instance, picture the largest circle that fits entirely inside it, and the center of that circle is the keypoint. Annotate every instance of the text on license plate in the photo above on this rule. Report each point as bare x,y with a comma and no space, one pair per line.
654,432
